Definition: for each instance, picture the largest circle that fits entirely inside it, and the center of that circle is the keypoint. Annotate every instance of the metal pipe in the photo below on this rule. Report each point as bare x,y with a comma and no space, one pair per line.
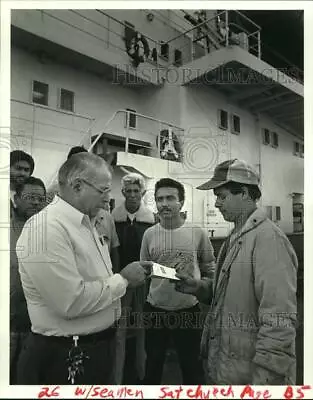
259,44
227,28
127,132
101,133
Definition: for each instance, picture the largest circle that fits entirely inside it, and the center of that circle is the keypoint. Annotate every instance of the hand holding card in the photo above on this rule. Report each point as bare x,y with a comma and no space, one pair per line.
160,271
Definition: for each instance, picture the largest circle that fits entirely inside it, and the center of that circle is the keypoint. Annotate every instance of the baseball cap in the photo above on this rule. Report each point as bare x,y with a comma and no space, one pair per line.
232,171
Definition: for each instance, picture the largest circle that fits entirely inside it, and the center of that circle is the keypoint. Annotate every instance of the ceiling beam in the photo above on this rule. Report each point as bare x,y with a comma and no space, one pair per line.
243,94
265,99
292,117
280,104
288,129
287,114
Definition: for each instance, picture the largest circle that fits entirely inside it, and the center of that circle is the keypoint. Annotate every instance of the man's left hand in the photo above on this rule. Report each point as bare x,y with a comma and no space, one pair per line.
187,284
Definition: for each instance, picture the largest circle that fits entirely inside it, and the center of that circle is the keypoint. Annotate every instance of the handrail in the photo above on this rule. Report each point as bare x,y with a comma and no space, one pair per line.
194,27
106,28
242,28
104,128
98,137
123,24
247,18
138,115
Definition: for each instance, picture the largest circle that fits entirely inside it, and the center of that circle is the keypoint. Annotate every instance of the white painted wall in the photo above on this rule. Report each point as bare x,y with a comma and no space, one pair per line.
94,98
50,134
281,171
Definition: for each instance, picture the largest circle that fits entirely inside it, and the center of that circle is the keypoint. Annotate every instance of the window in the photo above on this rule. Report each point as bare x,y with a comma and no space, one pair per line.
235,124
296,148
67,100
278,216
131,119
273,213
302,150
164,50
178,60
40,93
266,136
274,139
222,119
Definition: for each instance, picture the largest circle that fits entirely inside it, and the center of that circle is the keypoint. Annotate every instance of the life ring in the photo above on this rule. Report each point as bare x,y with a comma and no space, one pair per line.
137,48
169,145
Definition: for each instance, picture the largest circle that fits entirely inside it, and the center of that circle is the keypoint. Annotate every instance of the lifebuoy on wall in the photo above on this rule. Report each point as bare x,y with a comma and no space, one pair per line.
137,48
169,145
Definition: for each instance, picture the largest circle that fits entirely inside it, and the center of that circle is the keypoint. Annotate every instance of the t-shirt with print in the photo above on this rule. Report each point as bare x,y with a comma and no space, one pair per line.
186,248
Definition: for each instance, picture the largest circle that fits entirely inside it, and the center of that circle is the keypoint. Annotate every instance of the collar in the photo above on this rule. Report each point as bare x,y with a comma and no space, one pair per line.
143,214
68,212
255,219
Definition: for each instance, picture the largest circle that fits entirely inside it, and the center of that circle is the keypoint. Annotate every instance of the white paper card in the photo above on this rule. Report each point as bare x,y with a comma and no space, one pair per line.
160,271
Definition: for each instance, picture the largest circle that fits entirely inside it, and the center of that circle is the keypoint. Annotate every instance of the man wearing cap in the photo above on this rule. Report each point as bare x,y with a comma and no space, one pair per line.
249,333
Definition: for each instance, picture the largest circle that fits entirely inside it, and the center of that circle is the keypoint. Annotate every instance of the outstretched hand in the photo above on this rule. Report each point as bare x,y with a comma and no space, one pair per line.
187,284
136,272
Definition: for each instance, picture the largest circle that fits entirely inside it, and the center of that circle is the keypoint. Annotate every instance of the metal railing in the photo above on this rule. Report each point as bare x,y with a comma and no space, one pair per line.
111,32
153,148
227,28
220,31
146,125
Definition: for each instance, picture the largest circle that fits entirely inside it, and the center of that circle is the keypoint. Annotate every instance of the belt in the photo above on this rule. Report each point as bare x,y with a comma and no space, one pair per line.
107,334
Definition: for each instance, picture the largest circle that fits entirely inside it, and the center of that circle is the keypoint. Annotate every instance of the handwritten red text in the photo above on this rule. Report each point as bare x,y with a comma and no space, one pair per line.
47,392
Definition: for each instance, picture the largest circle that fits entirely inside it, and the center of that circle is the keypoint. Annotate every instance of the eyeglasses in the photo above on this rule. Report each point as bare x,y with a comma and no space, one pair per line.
101,191
33,198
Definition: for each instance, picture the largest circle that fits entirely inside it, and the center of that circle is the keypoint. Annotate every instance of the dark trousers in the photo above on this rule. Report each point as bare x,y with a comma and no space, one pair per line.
17,340
43,362
183,328
130,376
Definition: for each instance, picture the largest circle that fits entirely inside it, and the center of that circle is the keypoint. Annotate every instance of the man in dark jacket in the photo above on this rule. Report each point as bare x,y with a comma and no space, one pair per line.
131,218
29,199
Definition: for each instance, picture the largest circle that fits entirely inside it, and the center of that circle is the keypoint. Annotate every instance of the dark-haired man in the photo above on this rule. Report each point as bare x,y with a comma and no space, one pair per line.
21,167
249,334
173,315
29,199
76,150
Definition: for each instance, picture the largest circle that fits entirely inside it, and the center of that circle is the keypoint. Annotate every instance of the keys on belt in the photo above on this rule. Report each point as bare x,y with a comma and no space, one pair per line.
75,360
